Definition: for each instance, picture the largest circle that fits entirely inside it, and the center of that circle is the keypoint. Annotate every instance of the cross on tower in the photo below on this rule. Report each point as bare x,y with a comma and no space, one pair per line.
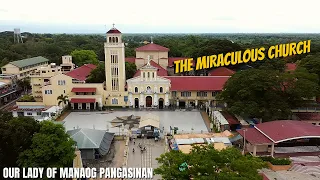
113,25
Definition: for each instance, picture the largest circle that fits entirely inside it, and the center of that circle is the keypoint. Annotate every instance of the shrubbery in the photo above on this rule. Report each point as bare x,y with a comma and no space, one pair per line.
276,161
27,98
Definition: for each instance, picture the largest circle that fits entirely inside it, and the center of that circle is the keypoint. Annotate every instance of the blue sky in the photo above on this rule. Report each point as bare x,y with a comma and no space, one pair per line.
165,16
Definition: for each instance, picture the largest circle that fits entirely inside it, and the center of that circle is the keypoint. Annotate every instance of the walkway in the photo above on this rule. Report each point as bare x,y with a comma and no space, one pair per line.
146,159
206,119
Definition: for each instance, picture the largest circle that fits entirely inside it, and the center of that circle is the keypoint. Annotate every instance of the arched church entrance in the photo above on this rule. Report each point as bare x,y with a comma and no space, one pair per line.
161,100
136,103
148,101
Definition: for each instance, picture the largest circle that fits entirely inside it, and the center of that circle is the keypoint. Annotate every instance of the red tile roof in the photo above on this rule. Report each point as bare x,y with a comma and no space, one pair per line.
82,89
152,47
82,100
308,116
254,136
16,108
172,59
130,59
113,30
281,130
230,118
291,66
197,83
81,73
161,71
221,71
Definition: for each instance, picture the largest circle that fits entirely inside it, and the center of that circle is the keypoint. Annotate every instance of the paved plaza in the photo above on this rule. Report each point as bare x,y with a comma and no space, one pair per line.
186,121
147,158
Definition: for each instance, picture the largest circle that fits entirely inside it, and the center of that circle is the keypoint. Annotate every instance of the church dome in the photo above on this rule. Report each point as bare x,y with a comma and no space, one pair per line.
113,31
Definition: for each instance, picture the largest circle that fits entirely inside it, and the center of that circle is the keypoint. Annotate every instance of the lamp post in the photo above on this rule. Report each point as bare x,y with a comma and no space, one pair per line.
244,141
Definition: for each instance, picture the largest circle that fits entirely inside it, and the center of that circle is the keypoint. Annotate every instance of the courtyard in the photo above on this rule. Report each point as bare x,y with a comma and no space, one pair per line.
186,121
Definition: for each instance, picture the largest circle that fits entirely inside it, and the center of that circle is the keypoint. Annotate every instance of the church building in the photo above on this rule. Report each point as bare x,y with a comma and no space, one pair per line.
151,86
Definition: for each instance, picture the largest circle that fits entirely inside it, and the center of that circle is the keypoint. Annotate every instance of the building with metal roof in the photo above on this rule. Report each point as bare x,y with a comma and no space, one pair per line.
264,138
91,142
23,68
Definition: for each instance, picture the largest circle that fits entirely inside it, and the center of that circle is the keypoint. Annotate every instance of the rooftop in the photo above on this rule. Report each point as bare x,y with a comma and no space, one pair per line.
171,60
28,62
130,59
81,73
279,131
161,71
221,71
89,138
197,83
282,130
308,116
114,31
291,66
152,47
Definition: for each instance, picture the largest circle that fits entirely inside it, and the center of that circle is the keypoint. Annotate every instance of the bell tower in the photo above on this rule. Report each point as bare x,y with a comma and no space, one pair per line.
114,61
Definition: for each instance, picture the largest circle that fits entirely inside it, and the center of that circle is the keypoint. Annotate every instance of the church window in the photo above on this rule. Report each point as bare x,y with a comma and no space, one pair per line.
116,39
143,75
109,39
136,89
148,75
161,90
113,39
152,75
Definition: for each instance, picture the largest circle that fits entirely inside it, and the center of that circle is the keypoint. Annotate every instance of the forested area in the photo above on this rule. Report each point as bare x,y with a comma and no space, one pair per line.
265,91
53,46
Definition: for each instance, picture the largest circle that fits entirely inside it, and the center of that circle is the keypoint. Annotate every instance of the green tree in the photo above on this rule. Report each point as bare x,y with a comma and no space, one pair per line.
311,63
24,84
205,162
131,69
81,57
97,75
16,136
62,100
51,147
268,94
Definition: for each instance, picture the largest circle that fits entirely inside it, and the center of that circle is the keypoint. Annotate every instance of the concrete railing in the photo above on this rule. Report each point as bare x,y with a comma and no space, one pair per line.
30,103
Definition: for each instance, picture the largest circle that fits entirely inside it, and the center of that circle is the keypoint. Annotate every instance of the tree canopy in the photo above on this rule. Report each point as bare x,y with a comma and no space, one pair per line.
205,162
16,136
51,147
27,98
98,75
268,94
81,57
131,69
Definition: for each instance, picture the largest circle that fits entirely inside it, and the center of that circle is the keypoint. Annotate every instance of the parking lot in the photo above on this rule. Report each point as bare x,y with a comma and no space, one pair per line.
187,122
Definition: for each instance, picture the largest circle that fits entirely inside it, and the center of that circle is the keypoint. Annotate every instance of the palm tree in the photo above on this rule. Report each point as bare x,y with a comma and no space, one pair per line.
62,99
